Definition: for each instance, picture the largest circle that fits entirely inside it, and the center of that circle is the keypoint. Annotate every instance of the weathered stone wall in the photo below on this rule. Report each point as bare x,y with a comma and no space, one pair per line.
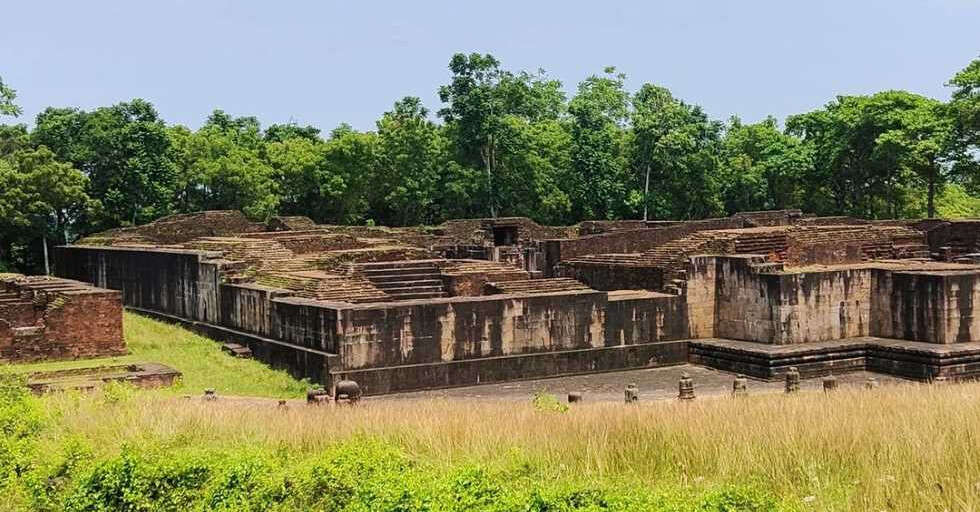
789,308
176,282
442,330
960,236
823,253
626,240
935,307
307,323
823,306
701,295
645,319
769,217
603,276
744,300
247,307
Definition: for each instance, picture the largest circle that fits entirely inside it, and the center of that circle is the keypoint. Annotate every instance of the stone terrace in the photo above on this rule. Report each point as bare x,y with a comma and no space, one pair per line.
483,300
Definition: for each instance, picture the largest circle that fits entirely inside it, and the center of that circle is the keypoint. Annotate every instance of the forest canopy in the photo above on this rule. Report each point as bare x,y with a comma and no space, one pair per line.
502,142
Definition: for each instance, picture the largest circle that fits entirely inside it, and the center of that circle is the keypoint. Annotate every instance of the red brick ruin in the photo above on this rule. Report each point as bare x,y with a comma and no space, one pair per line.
489,300
48,318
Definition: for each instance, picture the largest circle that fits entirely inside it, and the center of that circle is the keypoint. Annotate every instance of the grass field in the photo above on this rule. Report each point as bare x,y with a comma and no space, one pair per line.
199,359
911,447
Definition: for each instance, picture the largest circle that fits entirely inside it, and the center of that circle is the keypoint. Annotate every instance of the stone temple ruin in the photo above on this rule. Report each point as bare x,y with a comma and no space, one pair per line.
485,300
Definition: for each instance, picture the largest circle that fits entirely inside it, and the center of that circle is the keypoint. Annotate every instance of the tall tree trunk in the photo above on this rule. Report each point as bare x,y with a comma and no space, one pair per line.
931,201
487,154
646,194
47,266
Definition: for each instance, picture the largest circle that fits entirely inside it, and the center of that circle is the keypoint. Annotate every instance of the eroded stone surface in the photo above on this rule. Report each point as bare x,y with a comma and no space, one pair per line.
489,300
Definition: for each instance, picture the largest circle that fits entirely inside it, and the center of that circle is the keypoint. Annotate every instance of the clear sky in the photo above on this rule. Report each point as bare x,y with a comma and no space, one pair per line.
327,62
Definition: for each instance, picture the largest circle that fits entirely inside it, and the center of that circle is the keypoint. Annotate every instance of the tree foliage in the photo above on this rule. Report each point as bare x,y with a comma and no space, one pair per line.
7,97
502,143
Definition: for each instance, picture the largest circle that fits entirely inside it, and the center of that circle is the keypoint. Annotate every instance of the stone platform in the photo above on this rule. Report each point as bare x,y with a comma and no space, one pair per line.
143,375
909,359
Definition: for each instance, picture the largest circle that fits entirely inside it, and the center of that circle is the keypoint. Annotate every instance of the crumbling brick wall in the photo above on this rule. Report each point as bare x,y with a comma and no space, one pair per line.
45,318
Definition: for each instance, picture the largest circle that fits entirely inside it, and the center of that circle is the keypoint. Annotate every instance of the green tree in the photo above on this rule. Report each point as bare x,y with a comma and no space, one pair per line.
346,177
7,97
223,166
282,132
479,97
599,158
761,167
125,152
922,143
299,166
411,153
675,147
40,199
534,171
964,109
856,170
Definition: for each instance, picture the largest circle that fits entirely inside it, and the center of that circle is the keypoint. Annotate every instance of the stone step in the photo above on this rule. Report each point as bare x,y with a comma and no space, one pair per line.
399,291
383,272
389,285
403,264
419,295
393,277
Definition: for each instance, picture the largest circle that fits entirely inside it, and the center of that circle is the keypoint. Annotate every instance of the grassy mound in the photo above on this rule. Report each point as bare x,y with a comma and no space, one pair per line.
199,359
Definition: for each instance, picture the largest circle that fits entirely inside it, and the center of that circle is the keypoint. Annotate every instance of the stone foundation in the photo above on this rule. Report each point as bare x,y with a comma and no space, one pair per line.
908,359
396,310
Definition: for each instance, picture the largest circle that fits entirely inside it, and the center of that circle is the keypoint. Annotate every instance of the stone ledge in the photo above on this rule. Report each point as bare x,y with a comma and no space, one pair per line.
485,370
910,359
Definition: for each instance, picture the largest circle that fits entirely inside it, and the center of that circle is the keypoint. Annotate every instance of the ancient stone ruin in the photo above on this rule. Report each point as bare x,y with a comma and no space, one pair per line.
485,300
44,318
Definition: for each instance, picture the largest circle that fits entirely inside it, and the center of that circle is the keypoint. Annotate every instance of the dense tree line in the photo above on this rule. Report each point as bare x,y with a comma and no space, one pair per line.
503,143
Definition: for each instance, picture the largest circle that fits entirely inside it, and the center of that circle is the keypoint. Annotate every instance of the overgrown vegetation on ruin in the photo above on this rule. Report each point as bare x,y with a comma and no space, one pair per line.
199,359
506,143
899,448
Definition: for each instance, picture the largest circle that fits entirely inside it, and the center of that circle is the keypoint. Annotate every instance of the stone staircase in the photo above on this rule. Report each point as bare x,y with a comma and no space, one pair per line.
633,258
494,271
404,280
765,243
531,286
673,256
243,249
321,285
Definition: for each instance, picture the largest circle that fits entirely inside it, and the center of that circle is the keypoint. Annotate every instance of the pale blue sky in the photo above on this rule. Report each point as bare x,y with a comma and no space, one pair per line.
326,62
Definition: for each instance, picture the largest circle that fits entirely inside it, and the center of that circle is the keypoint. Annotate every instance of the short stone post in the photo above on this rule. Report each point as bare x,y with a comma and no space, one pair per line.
209,394
792,380
317,396
632,393
830,384
575,396
740,386
685,387
871,383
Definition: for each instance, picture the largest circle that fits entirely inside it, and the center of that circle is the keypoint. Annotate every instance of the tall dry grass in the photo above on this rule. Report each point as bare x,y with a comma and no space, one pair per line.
911,447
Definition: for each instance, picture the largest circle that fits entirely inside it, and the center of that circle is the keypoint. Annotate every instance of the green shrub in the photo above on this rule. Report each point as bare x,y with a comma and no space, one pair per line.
738,499
548,402
135,481
20,422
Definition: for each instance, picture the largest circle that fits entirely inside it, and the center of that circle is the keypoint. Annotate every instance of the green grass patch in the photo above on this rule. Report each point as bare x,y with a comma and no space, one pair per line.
199,359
